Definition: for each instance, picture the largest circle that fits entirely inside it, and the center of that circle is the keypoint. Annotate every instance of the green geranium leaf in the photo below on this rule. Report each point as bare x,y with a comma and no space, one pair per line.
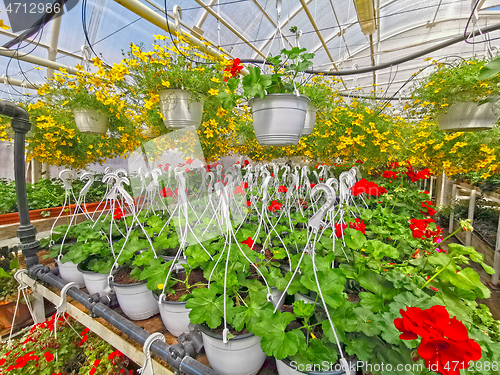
366,322
332,285
360,346
207,307
371,301
354,238
275,340
303,309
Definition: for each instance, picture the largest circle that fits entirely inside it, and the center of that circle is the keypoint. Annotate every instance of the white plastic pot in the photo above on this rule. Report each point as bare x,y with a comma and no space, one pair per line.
276,297
89,121
241,355
136,300
310,120
468,117
285,368
174,316
179,110
95,282
69,273
278,119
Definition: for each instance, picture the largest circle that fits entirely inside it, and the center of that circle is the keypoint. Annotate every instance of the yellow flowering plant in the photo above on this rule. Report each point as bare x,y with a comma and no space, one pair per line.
451,83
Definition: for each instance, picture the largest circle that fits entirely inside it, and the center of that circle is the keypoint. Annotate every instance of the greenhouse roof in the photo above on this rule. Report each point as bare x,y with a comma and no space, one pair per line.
247,29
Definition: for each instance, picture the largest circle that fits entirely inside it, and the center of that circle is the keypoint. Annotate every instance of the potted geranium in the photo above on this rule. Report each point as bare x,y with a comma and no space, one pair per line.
460,97
176,76
278,110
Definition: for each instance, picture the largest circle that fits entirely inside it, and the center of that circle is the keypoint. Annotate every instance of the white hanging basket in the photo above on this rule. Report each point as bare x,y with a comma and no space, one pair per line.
69,273
179,110
241,355
89,121
174,316
135,300
468,117
278,119
95,282
310,120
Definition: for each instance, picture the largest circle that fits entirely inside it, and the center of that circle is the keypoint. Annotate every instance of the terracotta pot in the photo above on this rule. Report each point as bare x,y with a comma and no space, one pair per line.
7,314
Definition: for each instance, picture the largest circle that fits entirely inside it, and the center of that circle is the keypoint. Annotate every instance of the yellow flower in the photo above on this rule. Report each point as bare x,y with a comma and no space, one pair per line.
165,83
216,80
160,286
209,133
213,92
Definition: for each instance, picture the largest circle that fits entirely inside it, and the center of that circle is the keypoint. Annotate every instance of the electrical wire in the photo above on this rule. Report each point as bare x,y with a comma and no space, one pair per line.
84,25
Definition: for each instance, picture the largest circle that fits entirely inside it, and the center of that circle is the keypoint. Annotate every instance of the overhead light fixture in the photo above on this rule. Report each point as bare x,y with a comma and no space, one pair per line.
366,15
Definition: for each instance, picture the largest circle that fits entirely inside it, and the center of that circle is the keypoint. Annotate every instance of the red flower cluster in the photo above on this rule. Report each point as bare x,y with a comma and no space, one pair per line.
234,69
368,187
445,342
313,184
415,176
358,225
339,229
390,174
249,242
429,208
274,206
118,214
240,189
282,189
420,229
248,203
166,192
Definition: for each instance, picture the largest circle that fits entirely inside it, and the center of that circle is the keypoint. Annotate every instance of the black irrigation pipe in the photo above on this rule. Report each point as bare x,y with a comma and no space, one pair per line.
401,60
175,355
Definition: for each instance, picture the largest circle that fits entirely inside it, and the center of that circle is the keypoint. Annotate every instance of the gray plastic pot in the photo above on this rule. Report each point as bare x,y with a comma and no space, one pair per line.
285,367
135,300
174,316
241,355
276,297
179,110
95,282
468,117
310,120
302,297
278,119
69,272
89,121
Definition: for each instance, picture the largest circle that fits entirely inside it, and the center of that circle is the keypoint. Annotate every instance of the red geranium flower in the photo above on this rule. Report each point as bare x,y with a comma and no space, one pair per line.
313,184
420,229
390,174
48,356
358,225
245,185
339,229
444,341
234,69
118,214
275,206
429,208
189,161
248,203
368,187
166,192
249,242
282,189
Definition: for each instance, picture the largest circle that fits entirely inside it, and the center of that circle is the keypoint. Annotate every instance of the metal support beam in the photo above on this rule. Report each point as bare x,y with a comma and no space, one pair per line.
231,28
318,33
150,15
54,41
372,57
40,44
205,14
35,60
472,206
17,82
496,259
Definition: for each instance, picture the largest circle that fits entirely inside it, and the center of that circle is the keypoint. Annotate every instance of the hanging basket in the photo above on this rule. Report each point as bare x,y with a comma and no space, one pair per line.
468,117
179,110
278,119
89,121
310,120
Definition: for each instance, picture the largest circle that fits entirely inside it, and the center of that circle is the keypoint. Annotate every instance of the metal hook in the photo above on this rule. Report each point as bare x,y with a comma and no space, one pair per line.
177,17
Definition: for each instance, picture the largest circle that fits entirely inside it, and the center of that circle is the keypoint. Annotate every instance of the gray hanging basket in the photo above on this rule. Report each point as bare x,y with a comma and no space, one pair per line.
89,121
179,110
468,117
310,120
278,119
